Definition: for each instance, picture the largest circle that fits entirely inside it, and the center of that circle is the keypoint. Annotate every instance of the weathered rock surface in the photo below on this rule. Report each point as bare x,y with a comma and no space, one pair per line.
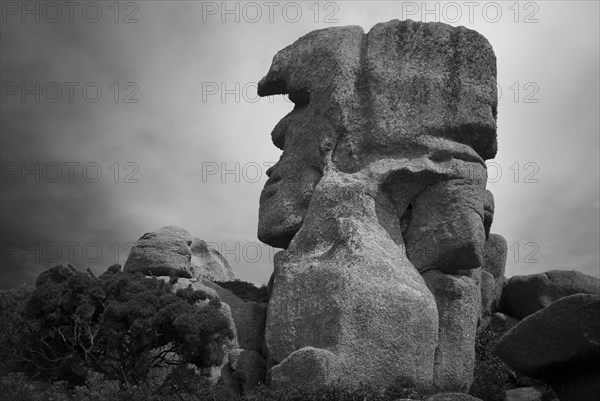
559,344
172,250
207,263
492,274
344,287
305,368
446,231
409,91
249,318
494,255
488,211
528,294
458,300
163,252
382,176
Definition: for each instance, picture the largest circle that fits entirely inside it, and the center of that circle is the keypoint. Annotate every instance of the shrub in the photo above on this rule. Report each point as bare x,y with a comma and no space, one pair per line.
491,375
16,386
120,325
336,392
14,325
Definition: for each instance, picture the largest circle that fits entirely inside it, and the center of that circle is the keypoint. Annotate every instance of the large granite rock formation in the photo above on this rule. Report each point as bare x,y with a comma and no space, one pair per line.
382,177
172,250
559,344
344,298
528,294
163,252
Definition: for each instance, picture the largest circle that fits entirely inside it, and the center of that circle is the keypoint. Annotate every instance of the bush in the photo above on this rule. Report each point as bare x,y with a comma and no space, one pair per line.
335,392
14,324
491,375
245,290
120,325
15,386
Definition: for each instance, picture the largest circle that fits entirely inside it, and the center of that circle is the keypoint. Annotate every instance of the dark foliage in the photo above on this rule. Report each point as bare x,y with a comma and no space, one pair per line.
245,290
119,325
492,376
13,325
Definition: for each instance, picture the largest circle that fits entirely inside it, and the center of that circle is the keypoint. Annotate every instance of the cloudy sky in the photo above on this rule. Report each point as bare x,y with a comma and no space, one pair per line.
118,120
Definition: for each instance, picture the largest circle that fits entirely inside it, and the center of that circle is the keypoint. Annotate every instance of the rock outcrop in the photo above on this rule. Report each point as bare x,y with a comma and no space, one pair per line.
492,273
173,251
528,294
458,300
163,252
249,318
559,344
382,177
208,264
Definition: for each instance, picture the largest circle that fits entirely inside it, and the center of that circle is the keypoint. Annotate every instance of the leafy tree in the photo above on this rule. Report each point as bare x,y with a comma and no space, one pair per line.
13,325
119,325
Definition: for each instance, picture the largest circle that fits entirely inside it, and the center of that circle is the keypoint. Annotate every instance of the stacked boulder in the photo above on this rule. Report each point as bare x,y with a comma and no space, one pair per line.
555,333
173,252
389,268
379,201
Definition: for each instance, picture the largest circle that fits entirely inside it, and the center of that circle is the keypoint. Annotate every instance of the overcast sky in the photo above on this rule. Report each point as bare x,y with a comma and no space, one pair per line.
117,121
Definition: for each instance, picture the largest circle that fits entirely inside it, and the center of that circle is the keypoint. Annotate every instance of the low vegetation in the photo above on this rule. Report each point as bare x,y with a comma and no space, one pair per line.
245,290
103,337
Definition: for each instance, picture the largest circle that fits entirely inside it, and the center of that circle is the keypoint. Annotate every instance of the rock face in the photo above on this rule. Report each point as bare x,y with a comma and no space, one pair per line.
528,294
207,263
488,211
163,252
457,299
559,344
382,177
344,287
249,317
172,250
492,273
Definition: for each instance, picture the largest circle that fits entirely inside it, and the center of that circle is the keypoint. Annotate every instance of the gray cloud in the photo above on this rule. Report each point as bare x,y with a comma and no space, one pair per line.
176,132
